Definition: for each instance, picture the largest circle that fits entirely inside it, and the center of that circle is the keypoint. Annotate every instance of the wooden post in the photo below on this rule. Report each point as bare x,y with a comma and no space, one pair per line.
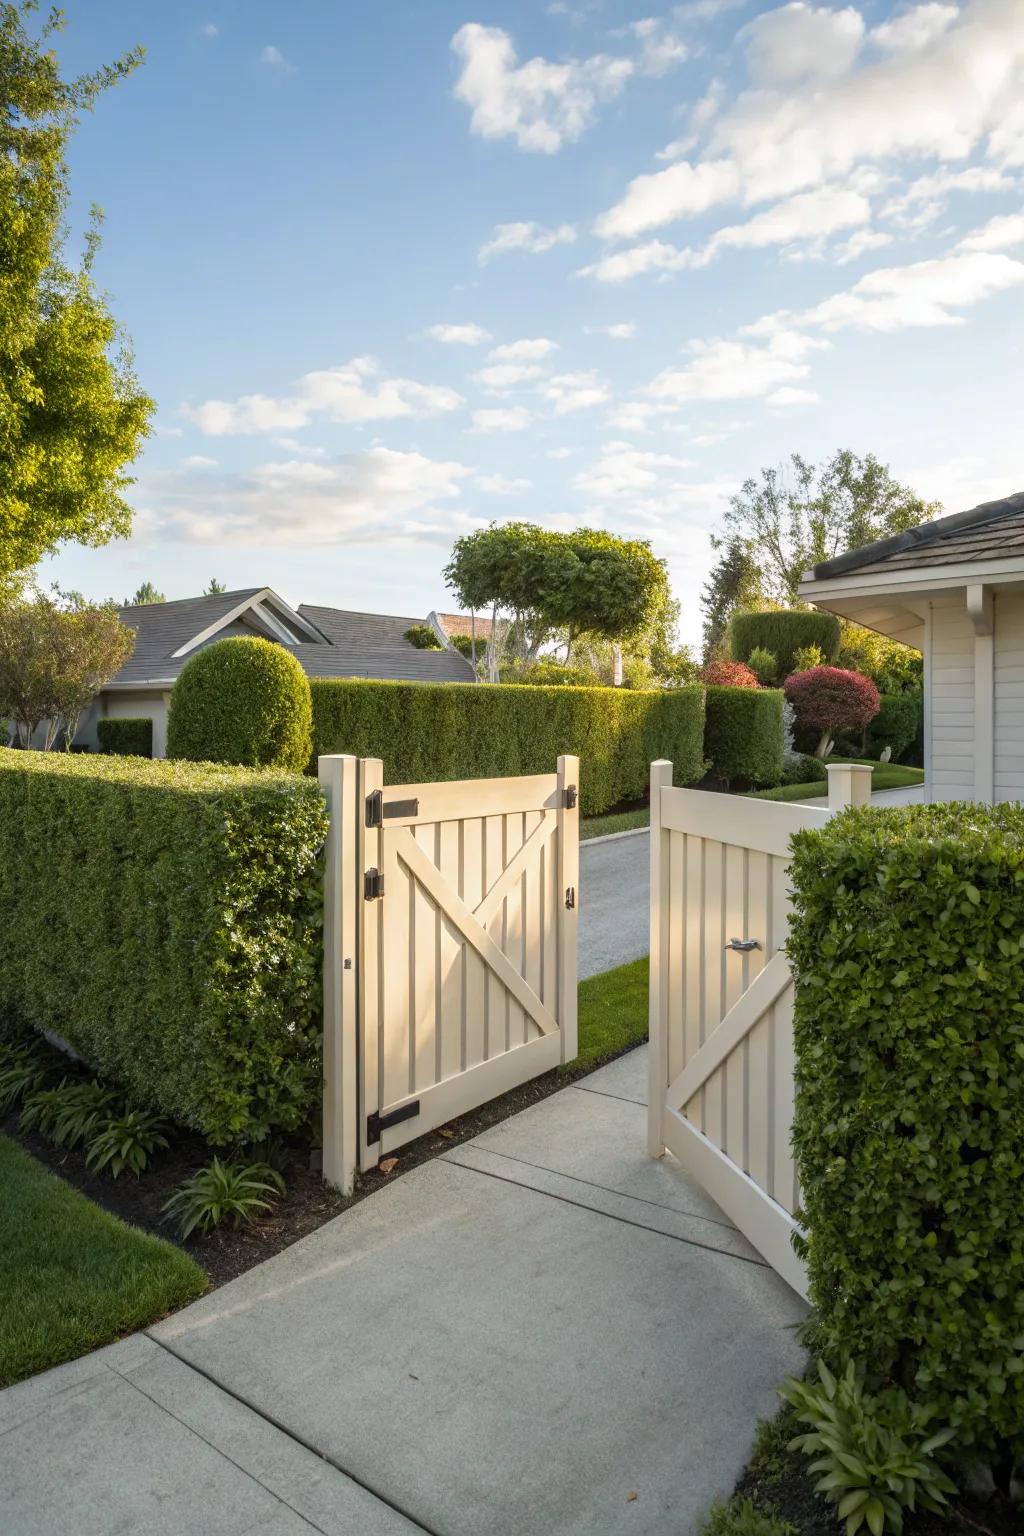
370,855
337,775
568,881
848,784
657,1059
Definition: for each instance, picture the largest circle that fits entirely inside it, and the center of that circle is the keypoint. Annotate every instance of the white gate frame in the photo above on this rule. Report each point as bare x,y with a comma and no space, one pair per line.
768,1225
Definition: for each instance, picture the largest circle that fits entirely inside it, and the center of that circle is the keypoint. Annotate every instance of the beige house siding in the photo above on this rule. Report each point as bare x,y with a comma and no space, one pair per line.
118,704
1009,696
950,688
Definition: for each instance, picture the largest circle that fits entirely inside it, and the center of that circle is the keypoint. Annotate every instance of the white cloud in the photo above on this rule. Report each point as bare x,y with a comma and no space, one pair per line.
559,453
380,495
210,29
468,335
503,376
859,243
499,485
1002,233
787,396
622,330
198,461
540,104
923,199
736,370
661,47
915,29
353,392
575,391
798,41
623,470
637,415
662,196
513,418
527,236
529,349
273,56
653,256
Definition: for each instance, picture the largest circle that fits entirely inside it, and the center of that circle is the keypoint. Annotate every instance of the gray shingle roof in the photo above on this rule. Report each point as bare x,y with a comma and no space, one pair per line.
354,644
992,531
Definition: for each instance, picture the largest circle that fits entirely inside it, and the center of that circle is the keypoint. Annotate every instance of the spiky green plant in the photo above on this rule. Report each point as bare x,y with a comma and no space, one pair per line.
221,1192
124,1141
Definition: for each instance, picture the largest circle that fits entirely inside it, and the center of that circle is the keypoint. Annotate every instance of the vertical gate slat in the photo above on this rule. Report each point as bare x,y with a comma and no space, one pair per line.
530,885
423,984
449,961
675,1001
714,965
736,970
494,863
514,945
474,979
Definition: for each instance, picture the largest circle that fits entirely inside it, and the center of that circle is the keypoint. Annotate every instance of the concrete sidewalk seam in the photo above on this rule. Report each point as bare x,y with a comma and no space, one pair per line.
296,1439
622,1194
546,1194
212,1444
581,1083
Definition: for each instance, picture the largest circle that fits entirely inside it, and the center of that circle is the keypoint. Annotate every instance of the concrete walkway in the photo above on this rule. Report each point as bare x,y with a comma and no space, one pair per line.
515,1338
614,902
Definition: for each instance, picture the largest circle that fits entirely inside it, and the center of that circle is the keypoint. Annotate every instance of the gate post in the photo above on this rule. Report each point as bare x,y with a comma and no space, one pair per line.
568,915
657,1057
848,784
337,776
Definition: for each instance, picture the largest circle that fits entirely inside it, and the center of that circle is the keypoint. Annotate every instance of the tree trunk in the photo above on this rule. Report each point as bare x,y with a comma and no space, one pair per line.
472,635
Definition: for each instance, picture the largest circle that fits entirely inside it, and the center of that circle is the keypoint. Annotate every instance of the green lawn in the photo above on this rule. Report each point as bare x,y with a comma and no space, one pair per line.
612,1013
615,821
885,776
73,1277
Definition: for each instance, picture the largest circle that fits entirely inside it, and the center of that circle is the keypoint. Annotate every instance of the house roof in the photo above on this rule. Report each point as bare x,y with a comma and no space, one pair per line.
992,531
329,642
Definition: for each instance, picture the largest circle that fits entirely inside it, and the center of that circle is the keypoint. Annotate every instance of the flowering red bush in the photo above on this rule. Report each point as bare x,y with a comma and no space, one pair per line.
729,674
828,699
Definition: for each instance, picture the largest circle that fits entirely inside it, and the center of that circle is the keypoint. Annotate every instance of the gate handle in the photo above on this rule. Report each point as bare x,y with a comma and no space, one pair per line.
743,945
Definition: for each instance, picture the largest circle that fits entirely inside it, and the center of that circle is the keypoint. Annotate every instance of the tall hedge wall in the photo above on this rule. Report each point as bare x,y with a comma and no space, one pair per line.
469,731
908,946
126,735
744,734
164,918
783,631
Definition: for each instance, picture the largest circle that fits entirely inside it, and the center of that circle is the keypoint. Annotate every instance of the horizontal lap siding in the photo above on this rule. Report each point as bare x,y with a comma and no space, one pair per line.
1009,683
952,703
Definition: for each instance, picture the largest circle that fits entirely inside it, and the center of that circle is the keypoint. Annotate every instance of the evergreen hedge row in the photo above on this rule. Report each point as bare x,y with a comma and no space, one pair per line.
908,947
783,631
164,918
127,736
744,735
429,731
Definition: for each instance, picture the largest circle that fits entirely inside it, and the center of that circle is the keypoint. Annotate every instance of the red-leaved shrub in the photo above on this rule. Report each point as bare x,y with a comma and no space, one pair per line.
829,700
729,674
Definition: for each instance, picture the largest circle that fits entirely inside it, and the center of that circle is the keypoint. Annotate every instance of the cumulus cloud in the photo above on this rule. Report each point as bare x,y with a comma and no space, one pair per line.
787,396
273,57
500,377
621,330
662,196
353,392
575,391
914,29
512,418
526,236
468,335
380,495
1002,233
500,485
736,370
530,349
798,41
623,470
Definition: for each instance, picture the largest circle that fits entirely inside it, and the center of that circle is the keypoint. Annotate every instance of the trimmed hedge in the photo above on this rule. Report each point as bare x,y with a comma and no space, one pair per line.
897,722
242,701
783,631
471,731
164,918
908,947
744,735
130,736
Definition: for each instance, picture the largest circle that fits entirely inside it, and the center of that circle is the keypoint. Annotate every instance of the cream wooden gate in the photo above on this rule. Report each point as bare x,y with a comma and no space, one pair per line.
721,999
450,949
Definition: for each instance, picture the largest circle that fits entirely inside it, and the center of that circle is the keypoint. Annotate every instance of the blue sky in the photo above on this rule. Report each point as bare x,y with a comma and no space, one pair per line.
393,270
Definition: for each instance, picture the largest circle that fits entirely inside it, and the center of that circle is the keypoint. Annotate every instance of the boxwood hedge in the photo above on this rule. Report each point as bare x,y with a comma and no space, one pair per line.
783,631
127,736
467,731
896,724
744,736
908,948
164,919
241,700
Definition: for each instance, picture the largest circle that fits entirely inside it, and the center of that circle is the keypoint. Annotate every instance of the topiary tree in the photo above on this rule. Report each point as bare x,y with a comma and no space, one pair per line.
728,674
783,631
827,699
242,701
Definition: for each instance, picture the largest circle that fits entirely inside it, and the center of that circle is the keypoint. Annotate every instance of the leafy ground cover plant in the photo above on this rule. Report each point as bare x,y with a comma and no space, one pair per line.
125,1141
22,1072
82,1109
232,1192
739,1516
40,1109
875,1454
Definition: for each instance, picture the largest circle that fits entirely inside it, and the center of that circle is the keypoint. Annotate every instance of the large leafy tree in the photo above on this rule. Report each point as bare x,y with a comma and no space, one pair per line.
56,653
71,413
792,516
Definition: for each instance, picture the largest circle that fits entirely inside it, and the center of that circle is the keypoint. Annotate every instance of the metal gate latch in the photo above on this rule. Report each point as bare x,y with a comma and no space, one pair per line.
570,897
570,796
744,945
373,885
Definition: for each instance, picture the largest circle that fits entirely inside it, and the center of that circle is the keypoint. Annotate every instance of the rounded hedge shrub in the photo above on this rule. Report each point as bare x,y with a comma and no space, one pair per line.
242,701
126,736
728,674
896,723
783,631
743,734
829,700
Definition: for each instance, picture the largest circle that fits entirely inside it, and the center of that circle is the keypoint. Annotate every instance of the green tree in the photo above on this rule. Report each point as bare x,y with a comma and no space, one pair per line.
735,582
56,653
215,588
71,413
792,516
514,569
146,593
608,587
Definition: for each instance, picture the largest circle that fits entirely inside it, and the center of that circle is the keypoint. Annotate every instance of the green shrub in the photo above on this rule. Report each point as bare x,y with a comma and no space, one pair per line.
470,731
764,665
243,701
807,656
164,919
804,768
127,1140
908,942
743,734
127,737
553,674
220,1192
896,724
740,1516
464,645
423,638
783,631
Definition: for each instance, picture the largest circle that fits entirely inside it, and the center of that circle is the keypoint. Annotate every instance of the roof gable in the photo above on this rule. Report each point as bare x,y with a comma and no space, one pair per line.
992,531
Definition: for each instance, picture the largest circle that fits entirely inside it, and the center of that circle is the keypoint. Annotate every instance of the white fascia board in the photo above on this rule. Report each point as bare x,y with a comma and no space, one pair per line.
221,623
922,578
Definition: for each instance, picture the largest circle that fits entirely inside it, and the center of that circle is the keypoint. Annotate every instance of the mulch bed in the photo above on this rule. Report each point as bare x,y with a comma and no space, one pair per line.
309,1202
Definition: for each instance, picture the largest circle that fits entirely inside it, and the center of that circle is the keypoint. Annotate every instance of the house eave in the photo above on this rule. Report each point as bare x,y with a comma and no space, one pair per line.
918,579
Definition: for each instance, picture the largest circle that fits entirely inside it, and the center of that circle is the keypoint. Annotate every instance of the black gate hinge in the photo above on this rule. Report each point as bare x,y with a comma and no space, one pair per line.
377,1122
377,810
373,885
569,797
570,897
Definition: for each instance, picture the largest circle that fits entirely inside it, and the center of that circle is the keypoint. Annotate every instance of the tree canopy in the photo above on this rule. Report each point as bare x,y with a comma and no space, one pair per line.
146,592
71,413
